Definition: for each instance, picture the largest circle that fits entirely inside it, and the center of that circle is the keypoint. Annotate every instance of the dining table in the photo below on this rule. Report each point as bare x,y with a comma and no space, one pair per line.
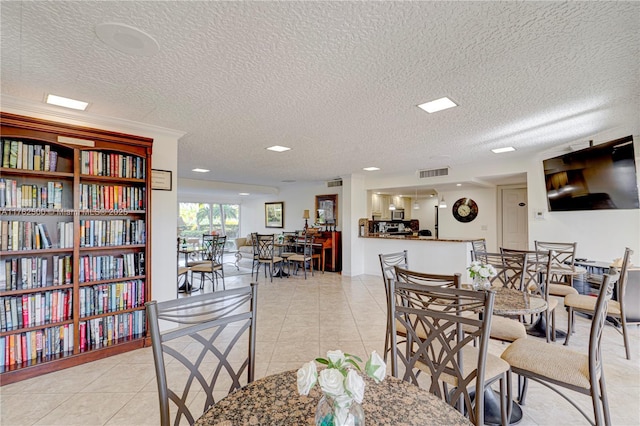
274,400
188,252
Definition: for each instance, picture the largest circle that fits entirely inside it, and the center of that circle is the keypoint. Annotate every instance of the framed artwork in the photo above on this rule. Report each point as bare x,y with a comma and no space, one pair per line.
327,209
161,179
274,215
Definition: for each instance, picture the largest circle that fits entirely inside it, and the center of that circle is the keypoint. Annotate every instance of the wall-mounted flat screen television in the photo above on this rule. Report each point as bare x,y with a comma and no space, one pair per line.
599,177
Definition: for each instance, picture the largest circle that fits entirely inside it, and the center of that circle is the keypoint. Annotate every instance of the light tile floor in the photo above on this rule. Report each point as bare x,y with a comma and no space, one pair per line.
298,320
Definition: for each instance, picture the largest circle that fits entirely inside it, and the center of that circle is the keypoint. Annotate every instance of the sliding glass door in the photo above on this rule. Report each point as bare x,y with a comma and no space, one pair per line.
196,219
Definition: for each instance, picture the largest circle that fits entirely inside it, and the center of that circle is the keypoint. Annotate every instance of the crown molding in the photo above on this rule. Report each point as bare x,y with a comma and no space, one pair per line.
79,118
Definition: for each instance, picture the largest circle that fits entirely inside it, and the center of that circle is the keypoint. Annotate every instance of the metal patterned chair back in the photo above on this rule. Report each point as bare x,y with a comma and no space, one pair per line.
563,256
440,322
265,246
218,251
536,275
510,269
208,246
209,327
388,263
479,245
597,325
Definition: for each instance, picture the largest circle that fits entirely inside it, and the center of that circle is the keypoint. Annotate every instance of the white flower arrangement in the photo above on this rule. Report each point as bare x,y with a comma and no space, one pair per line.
340,381
479,271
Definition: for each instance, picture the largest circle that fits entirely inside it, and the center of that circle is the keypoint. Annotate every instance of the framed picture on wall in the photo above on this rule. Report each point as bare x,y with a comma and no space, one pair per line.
274,215
327,209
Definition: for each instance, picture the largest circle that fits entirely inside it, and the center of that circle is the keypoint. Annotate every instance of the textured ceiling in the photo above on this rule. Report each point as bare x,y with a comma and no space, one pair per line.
339,81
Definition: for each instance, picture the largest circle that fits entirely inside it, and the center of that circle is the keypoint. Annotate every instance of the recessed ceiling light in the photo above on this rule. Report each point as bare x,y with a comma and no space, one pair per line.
437,105
458,184
278,148
66,102
243,193
200,170
127,39
371,169
501,150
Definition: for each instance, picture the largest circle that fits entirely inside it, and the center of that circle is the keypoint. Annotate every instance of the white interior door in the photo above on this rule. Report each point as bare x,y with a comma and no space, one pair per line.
514,218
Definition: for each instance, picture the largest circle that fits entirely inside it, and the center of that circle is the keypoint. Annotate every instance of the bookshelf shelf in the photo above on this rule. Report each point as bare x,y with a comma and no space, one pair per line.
6,171
107,314
58,199
112,179
112,248
36,327
110,213
21,253
111,281
34,290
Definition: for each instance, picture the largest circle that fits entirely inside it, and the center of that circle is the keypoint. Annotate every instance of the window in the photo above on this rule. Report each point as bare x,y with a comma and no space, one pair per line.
196,219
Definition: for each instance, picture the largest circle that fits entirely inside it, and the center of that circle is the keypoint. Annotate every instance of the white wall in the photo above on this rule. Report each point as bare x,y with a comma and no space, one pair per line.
296,198
484,225
163,203
601,234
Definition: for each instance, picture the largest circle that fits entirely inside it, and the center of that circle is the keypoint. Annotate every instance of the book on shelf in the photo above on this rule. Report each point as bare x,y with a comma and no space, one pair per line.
17,154
19,348
98,163
30,196
23,235
106,298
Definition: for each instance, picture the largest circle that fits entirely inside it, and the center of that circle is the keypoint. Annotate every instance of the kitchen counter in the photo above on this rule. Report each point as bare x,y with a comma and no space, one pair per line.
426,254
404,236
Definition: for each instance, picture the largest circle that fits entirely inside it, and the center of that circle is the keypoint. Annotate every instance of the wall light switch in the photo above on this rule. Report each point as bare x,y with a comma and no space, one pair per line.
539,215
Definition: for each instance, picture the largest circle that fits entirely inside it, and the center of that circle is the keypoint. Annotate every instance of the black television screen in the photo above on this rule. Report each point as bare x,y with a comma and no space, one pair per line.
599,177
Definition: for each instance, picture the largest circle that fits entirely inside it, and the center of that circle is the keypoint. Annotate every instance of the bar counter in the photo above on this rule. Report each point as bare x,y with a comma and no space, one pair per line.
426,254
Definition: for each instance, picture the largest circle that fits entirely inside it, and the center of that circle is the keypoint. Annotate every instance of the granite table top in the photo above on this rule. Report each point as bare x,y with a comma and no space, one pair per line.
513,302
274,400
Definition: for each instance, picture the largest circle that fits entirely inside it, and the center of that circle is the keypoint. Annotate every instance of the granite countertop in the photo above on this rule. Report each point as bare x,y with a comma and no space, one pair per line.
274,400
513,302
411,237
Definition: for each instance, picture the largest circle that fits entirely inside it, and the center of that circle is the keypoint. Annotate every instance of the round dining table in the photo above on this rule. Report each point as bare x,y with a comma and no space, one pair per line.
274,400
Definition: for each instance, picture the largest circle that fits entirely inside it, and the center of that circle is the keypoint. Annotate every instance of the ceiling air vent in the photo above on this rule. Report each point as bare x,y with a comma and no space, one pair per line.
433,173
332,183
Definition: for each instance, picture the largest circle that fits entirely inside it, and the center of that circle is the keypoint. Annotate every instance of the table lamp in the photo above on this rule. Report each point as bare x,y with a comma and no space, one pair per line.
305,216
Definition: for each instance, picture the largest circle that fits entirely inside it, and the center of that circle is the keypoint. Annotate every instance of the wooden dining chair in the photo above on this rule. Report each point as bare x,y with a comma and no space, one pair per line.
615,308
558,367
388,262
441,325
199,354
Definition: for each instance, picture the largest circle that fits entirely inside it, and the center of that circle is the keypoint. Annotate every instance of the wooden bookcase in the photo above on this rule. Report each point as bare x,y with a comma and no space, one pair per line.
74,245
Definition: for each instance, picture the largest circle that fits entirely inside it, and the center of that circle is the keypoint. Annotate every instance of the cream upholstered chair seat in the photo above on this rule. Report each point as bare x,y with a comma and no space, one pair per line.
494,367
561,290
555,363
506,329
588,303
616,309
557,367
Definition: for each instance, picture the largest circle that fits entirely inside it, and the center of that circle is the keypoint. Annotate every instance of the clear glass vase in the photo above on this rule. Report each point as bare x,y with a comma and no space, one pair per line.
328,413
480,283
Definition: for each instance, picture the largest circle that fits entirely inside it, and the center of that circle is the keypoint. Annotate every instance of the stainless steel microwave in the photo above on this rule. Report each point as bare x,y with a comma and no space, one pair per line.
397,214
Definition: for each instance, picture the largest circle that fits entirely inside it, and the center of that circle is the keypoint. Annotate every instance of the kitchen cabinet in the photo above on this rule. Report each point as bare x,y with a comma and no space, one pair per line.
380,206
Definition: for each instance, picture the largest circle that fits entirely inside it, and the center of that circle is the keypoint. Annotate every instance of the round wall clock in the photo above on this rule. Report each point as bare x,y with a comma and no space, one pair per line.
465,210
